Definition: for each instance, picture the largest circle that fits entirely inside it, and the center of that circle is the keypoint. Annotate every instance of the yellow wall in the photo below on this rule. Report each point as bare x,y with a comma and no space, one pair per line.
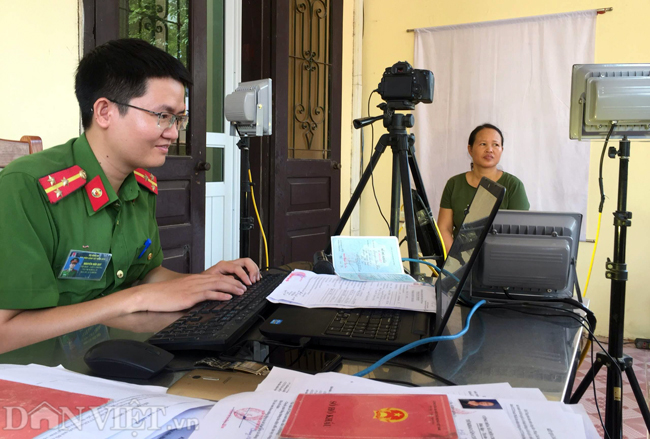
346,104
620,37
39,49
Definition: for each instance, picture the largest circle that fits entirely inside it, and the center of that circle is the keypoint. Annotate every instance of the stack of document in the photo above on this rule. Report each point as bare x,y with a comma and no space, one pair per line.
479,411
37,399
310,290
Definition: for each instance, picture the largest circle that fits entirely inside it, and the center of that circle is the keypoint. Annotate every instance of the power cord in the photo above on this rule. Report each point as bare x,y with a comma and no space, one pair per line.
579,319
583,354
398,382
427,340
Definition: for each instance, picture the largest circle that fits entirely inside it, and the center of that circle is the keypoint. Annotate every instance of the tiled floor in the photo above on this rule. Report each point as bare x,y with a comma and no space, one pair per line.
633,425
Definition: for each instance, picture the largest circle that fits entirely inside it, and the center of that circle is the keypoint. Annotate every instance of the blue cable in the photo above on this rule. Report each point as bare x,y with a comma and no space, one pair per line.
435,267
409,346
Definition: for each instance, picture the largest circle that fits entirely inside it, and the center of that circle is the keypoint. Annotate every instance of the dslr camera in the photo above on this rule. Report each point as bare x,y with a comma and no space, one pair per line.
402,86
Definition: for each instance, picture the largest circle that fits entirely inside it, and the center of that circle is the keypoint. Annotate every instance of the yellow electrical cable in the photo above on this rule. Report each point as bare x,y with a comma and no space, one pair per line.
444,249
583,355
259,221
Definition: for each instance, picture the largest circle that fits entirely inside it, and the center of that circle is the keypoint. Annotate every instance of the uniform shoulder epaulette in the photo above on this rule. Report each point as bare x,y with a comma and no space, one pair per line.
146,179
59,185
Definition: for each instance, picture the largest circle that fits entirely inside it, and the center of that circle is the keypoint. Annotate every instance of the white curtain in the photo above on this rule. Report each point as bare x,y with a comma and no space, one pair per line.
515,74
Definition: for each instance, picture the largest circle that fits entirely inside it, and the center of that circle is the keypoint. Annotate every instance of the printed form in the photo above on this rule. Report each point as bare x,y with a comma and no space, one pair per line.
310,290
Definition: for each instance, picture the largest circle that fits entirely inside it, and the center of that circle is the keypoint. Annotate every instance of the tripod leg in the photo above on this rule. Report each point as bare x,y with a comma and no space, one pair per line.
586,382
638,394
379,150
395,196
409,215
415,173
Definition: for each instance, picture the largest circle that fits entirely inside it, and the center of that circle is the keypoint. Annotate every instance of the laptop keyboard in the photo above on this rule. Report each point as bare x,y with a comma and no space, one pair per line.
215,325
381,324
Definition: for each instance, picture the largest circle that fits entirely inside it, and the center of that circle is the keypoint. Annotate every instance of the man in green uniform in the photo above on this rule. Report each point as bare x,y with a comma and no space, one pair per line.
91,196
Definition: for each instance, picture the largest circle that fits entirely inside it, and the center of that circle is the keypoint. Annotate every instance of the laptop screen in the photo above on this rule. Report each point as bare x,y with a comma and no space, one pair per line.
463,251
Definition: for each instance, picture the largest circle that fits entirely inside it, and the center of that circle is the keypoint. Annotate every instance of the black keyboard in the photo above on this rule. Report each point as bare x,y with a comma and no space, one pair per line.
381,324
216,325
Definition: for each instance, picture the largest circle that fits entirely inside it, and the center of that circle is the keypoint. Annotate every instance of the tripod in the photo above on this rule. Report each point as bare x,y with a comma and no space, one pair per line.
402,145
617,272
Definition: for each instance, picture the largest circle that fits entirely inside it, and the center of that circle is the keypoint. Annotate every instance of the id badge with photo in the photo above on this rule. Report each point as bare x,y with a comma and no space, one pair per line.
84,265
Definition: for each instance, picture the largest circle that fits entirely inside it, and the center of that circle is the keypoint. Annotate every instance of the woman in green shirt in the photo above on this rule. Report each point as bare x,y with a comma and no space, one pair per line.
485,147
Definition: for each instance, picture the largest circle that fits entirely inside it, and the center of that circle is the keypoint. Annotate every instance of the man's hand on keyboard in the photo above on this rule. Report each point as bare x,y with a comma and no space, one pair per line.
244,268
184,292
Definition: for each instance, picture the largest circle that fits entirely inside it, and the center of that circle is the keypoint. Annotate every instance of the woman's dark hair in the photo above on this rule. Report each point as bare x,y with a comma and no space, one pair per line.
475,131
119,70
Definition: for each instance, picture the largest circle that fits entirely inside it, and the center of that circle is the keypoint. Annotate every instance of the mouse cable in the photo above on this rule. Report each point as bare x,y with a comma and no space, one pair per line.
427,340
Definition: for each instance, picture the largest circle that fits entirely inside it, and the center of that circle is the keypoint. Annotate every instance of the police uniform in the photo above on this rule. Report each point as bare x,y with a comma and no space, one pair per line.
60,200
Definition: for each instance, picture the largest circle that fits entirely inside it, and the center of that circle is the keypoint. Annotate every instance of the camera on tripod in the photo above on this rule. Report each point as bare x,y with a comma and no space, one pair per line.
402,86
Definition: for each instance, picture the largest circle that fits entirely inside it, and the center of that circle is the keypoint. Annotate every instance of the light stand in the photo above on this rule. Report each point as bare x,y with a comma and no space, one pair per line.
617,272
248,108
404,168
245,221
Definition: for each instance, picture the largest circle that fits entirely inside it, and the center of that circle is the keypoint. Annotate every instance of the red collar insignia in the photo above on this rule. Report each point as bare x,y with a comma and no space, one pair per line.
97,193
147,180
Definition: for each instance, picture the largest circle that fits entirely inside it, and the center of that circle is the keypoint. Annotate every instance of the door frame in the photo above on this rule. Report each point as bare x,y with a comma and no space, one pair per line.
222,198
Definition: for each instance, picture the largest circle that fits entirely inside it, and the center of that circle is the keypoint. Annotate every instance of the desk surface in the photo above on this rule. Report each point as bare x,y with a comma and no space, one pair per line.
501,345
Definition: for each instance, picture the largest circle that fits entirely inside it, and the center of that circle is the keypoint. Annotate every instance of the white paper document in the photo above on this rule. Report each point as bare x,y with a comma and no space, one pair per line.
249,415
133,410
310,290
368,258
291,381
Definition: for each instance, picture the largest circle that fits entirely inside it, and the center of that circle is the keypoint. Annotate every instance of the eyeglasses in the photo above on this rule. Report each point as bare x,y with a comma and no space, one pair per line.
165,120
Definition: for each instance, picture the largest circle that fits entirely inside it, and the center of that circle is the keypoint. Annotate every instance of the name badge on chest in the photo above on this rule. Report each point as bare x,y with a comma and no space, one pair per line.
83,265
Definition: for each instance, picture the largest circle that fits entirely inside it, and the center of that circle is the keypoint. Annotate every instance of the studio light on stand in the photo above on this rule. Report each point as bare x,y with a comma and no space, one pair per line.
248,109
613,101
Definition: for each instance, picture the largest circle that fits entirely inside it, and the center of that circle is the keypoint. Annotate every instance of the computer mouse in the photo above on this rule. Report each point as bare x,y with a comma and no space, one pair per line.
126,359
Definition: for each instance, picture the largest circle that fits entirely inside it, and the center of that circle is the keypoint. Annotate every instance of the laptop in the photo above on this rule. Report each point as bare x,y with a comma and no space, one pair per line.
387,329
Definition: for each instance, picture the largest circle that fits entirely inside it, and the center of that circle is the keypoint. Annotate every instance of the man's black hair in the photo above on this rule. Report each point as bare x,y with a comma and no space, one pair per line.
119,70
475,131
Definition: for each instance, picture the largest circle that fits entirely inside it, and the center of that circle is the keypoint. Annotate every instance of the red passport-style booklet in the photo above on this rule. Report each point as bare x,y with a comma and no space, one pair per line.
27,411
317,416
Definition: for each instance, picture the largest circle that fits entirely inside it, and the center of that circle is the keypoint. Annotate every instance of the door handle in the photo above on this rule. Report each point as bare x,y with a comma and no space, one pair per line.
202,166
336,165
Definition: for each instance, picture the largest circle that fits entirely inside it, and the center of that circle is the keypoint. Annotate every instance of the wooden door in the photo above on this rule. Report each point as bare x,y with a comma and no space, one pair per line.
298,44
180,28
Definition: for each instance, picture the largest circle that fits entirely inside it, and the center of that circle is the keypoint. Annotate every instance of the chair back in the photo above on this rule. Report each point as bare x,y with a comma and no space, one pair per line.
12,149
